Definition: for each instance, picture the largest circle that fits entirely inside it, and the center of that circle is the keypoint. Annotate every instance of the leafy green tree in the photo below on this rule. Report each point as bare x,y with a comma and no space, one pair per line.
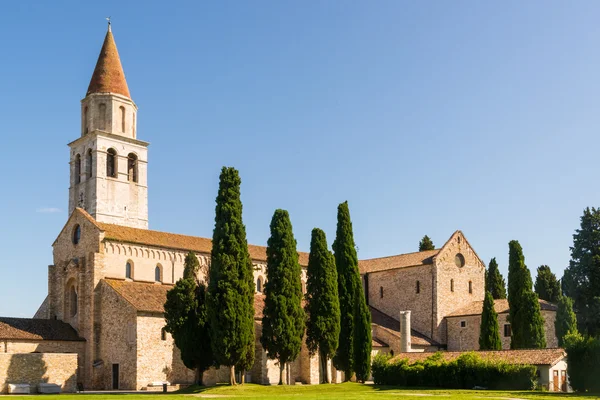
525,316
426,244
546,285
230,297
350,293
489,333
283,315
581,280
494,282
566,320
186,319
322,302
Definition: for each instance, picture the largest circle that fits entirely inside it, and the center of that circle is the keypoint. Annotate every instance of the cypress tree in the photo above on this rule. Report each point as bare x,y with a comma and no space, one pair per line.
546,285
525,316
230,297
426,244
186,319
489,333
494,282
581,280
283,316
322,302
350,293
362,338
566,320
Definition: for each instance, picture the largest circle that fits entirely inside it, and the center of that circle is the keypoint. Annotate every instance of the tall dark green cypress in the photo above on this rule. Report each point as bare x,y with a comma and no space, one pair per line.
283,315
566,320
527,324
362,338
230,297
322,302
489,333
351,293
186,319
546,285
426,244
494,282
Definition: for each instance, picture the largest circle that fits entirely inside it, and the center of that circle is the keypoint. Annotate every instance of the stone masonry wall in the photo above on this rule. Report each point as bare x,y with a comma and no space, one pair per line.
399,294
446,272
467,338
34,368
158,360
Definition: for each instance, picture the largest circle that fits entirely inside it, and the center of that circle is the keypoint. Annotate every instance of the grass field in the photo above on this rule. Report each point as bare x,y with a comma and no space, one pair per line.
341,391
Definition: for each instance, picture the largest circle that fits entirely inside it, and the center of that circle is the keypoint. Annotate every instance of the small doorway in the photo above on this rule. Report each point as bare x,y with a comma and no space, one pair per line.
563,380
115,376
555,381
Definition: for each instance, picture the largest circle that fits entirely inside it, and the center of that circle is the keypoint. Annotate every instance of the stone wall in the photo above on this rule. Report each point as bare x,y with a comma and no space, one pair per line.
452,282
400,294
158,360
467,338
34,368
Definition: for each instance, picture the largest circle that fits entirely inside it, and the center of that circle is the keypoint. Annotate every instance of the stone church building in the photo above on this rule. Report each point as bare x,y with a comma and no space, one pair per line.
110,273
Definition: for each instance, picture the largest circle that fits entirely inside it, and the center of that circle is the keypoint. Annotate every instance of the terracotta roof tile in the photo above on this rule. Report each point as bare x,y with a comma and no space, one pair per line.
176,241
388,322
151,297
532,356
108,75
36,329
399,261
500,305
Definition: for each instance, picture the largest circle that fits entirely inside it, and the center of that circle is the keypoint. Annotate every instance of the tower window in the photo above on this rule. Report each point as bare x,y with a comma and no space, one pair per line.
381,292
507,330
88,163
157,274
132,168
77,169
470,287
85,120
102,121
76,234
418,287
259,285
452,285
72,301
463,324
128,270
163,334
122,110
111,163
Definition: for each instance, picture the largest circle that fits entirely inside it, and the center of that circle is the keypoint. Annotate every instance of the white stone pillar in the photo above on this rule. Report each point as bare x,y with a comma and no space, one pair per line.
405,346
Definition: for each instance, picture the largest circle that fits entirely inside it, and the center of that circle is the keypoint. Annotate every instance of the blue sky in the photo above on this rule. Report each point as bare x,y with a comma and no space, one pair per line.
427,117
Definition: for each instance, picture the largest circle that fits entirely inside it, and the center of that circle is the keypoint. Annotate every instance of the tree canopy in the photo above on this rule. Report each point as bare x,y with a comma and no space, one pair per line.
494,281
283,315
566,320
546,285
230,297
426,244
489,332
322,302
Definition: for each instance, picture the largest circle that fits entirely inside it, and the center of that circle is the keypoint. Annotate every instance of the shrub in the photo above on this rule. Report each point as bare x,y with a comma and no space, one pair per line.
583,362
465,372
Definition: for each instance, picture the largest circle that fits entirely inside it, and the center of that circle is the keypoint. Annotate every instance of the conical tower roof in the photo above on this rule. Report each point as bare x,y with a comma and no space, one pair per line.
108,75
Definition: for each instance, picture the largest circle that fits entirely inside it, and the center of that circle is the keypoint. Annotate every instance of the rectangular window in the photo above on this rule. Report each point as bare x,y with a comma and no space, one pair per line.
463,324
381,292
507,330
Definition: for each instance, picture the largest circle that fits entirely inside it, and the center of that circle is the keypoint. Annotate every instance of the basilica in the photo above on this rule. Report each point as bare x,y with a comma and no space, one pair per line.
101,325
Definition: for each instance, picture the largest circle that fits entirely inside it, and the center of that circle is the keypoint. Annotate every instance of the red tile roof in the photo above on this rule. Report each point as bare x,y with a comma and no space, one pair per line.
36,329
108,75
399,261
532,356
500,305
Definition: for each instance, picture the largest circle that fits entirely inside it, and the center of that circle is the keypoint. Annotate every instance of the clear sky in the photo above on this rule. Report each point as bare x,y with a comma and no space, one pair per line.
427,117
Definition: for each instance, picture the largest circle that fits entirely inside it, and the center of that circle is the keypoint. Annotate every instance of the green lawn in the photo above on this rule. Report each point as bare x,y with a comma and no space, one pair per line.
342,391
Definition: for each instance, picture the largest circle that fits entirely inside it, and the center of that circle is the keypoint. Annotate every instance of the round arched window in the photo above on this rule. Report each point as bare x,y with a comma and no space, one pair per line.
76,234
459,260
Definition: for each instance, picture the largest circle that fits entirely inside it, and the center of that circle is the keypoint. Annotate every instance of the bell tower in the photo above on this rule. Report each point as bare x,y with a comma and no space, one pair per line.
108,163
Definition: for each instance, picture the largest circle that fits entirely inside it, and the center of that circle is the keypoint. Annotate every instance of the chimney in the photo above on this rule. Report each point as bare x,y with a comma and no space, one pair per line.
405,346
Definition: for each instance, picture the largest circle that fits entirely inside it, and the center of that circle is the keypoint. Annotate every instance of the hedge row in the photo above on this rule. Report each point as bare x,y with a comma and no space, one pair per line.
465,372
583,362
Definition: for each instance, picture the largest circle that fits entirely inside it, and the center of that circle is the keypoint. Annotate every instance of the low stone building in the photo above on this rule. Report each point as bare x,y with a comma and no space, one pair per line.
464,325
551,364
